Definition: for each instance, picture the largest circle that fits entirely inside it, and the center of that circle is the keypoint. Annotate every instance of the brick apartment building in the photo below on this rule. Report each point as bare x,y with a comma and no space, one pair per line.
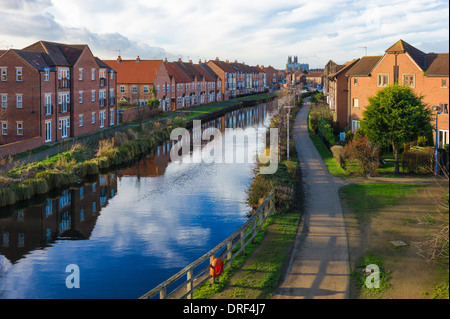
271,76
135,79
227,75
52,91
426,73
314,78
336,90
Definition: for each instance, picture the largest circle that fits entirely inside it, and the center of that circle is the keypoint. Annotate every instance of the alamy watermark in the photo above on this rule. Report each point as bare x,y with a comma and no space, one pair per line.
373,279
73,280
221,148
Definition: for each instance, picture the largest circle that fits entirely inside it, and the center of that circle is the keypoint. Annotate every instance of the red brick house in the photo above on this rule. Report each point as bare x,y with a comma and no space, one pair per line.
337,90
271,76
52,91
426,73
135,79
227,75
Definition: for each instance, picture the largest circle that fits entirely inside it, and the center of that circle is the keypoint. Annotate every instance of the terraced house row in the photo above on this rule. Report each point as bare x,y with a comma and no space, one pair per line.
182,84
348,86
53,91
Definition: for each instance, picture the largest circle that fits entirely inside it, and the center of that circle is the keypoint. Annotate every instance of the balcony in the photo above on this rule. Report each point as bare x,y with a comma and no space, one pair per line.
48,109
102,102
64,107
64,83
102,82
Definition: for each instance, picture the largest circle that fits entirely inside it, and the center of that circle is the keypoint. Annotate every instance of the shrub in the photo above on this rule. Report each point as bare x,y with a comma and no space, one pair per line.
326,131
104,146
91,167
338,155
418,160
364,152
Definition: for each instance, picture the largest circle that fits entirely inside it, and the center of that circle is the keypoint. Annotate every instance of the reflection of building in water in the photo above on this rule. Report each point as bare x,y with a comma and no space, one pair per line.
156,164
71,216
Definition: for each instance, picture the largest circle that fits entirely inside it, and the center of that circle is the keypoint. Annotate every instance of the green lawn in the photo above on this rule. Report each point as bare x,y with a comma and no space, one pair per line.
333,167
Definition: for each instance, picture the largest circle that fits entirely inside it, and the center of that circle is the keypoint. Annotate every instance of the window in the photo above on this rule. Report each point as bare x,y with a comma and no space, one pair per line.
19,101
355,125
173,87
92,74
4,101
134,89
3,74
102,97
48,131
355,81
93,95
122,89
19,74
48,104
102,74
80,74
64,124
19,126
47,75
444,83
102,117
111,117
112,75
163,88
63,101
356,102
4,128
444,108
80,96
383,80
409,80
93,117
145,90
443,138
80,120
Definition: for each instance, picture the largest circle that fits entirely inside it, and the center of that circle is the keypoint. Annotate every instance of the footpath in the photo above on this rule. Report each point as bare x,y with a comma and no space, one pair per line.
319,262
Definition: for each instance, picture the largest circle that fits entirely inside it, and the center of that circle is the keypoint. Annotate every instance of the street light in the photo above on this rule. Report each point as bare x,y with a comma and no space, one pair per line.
289,107
438,109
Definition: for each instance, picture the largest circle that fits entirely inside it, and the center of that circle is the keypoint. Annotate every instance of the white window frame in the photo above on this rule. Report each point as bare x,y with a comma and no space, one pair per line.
46,75
48,103
134,89
19,74
4,128
4,74
48,131
407,77
145,89
80,97
93,117
80,74
355,102
80,120
111,117
4,101
383,75
19,128
93,96
122,89
19,100
355,125
93,74
102,118
443,137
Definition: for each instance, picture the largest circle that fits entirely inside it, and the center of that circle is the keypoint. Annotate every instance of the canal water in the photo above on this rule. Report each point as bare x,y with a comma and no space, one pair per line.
129,229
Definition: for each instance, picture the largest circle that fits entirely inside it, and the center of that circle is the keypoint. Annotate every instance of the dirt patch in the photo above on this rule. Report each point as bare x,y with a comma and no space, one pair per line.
411,276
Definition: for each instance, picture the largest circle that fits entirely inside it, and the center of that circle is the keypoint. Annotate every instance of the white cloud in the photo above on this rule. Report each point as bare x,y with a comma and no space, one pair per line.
257,32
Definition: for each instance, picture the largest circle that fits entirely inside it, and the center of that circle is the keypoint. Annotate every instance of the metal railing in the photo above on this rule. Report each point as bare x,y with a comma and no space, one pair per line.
227,250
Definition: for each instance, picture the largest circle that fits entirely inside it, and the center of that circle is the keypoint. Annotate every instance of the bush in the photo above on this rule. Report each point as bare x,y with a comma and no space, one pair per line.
364,152
338,155
326,131
418,160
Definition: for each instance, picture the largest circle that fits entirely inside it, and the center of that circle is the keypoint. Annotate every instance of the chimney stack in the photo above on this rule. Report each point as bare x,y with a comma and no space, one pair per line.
138,59
217,58
119,59
179,60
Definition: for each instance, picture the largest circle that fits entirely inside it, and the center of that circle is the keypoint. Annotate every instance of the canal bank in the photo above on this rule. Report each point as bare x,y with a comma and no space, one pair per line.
127,229
80,158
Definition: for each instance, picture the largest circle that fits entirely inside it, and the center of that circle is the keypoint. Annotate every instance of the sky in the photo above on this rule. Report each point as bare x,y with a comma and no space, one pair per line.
257,32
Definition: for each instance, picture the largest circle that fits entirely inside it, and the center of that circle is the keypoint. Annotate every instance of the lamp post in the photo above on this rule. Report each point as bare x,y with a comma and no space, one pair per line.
287,120
438,111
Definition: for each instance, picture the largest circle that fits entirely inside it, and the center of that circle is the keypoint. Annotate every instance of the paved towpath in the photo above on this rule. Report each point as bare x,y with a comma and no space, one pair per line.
319,263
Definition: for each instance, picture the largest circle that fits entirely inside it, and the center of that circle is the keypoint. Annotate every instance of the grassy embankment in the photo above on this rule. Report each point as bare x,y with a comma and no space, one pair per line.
256,273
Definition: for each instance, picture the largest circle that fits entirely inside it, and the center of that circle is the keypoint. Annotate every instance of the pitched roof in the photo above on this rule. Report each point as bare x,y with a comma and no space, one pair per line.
208,69
226,67
131,71
437,64
343,67
364,66
176,73
36,59
314,74
403,47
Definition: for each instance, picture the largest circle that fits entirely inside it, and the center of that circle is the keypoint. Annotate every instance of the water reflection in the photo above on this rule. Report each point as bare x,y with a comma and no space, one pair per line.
129,229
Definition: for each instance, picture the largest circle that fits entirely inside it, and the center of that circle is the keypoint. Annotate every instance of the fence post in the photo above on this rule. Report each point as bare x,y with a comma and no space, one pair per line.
162,293
242,242
212,279
229,254
189,284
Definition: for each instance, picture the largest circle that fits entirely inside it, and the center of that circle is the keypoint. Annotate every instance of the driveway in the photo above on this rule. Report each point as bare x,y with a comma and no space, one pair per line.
319,262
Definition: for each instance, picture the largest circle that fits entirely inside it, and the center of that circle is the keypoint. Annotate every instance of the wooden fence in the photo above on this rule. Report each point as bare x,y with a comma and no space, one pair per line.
227,250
